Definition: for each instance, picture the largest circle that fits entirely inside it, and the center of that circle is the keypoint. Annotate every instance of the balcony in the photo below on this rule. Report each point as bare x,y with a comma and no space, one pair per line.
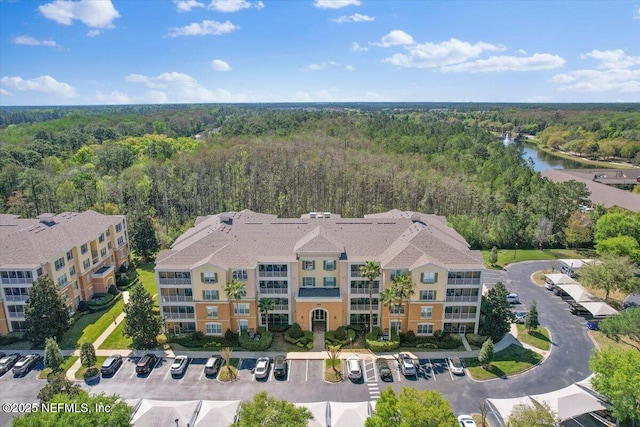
463,281
176,298
365,307
281,307
264,290
174,316
15,315
103,271
17,281
170,282
460,315
463,298
364,291
272,273
20,298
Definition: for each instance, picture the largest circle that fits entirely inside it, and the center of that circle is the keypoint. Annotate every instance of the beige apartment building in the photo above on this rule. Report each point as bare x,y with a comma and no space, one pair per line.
310,268
80,252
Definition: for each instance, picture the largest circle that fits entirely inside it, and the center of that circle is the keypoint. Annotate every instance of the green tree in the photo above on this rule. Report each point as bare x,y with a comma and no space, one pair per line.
617,377
266,305
579,230
370,270
45,313
265,411
412,408
485,356
625,323
389,298
495,313
235,290
624,246
334,353
531,322
143,236
493,255
87,354
58,383
613,272
226,355
614,224
53,356
141,323
536,415
87,413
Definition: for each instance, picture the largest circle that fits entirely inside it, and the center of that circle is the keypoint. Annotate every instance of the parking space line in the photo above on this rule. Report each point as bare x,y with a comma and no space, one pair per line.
306,372
433,372
398,370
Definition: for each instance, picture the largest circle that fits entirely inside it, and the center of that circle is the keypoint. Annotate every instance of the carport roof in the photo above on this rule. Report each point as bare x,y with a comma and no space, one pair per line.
560,279
578,293
599,308
505,406
319,412
570,402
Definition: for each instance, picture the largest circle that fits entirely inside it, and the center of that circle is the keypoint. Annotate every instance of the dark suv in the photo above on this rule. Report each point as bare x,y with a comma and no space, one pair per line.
146,363
280,366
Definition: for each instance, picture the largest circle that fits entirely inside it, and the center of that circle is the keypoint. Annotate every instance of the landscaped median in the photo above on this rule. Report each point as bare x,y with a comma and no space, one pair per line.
229,373
333,374
66,365
538,338
510,361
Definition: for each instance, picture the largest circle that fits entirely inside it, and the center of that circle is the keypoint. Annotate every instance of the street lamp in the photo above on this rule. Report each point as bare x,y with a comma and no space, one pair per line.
515,251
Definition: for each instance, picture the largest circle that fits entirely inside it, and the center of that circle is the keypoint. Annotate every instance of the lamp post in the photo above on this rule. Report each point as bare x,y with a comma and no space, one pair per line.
515,252
351,343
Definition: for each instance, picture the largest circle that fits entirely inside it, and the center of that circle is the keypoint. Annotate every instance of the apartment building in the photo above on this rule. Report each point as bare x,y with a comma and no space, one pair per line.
310,268
80,252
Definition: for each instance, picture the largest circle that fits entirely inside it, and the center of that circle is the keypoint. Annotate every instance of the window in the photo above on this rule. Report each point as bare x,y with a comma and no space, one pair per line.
118,227
396,325
103,252
72,270
355,270
120,241
241,309
426,312
242,275
59,263
209,277
425,329
429,277
329,281
308,281
108,232
397,309
214,328
362,319
244,324
86,264
83,249
75,285
62,281
212,312
329,265
101,238
308,265
108,245
399,272
69,256
210,295
429,295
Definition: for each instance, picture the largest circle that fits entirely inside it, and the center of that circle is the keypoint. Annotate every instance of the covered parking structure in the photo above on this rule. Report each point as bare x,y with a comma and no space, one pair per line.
599,309
578,293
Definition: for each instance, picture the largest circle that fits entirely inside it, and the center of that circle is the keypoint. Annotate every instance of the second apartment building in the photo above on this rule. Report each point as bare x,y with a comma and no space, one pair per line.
310,268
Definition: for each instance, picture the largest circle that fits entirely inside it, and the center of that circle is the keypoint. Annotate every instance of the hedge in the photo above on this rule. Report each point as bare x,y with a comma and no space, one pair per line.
131,284
300,342
374,345
266,338
109,302
476,340
330,338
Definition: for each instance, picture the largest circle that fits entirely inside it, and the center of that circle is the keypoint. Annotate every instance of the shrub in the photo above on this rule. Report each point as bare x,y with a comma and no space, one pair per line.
476,340
408,338
295,331
11,338
91,372
113,290
359,328
341,333
427,345
83,306
279,328
87,354
123,268
231,338
198,336
122,280
246,342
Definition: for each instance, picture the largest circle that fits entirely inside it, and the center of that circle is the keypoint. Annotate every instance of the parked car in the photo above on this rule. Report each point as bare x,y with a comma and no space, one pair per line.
280,366
519,316
146,363
549,285
2,355
604,413
25,364
353,368
179,365
578,309
262,367
560,292
111,365
466,421
593,325
383,370
7,362
213,365
513,299
455,365
406,365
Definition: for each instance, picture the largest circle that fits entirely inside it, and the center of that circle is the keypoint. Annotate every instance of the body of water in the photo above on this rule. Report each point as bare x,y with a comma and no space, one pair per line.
543,161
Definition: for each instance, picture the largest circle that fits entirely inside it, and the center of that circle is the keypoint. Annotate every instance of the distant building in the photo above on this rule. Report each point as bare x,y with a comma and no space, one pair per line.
80,252
310,268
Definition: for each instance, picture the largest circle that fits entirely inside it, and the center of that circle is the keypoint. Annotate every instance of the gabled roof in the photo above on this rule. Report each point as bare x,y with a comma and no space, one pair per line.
318,240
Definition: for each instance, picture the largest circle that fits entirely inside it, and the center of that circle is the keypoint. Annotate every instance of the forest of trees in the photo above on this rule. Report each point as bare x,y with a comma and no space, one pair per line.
172,163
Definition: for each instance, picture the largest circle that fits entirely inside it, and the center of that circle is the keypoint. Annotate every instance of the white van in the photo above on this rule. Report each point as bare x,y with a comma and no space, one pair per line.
353,367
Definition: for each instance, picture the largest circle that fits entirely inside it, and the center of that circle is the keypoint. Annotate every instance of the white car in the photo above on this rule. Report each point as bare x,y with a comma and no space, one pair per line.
406,365
513,299
262,367
353,368
466,421
179,365
455,365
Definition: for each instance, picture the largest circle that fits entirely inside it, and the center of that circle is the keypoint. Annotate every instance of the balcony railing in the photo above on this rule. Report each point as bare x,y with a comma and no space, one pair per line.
16,281
463,298
280,307
174,281
364,291
463,281
16,297
272,273
177,298
356,307
274,290
460,315
180,315
15,315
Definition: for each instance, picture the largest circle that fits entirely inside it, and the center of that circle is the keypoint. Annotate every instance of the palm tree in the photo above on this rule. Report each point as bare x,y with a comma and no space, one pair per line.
235,290
403,287
370,270
226,355
390,297
265,305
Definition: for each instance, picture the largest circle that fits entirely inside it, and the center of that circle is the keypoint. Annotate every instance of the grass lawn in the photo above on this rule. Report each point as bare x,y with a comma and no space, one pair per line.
224,374
90,326
538,338
602,342
510,361
68,362
148,278
330,374
507,256
80,372
116,340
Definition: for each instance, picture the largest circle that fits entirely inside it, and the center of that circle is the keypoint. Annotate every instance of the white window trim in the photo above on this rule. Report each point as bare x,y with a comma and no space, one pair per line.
216,312
424,334
215,334
426,307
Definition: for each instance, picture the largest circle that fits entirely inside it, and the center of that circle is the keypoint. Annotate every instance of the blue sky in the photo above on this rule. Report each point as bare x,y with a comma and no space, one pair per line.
190,51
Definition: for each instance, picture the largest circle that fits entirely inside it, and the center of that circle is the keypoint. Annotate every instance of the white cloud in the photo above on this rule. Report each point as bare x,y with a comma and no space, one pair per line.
112,98
97,14
203,28
30,41
233,5
395,38
357,48
436,55
220,65
321,66
535,62
4,92
335,95
43,84
187,5
335,4
356,17
350,68
612,59
93,33
174,87
637,15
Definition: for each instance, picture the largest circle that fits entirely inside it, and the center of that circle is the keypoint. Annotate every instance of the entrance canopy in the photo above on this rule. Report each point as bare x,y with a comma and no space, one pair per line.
599,309
578,293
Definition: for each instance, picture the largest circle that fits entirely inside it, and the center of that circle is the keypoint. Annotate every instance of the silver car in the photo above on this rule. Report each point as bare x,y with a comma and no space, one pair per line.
179,365
262,367
24,365
406,365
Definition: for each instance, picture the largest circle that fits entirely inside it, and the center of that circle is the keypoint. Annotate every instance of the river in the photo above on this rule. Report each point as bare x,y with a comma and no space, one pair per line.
543,161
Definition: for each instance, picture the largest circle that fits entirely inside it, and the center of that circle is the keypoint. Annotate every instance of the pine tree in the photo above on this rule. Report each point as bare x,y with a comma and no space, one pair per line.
87,354
140,323
45,312
53,356
486,353
493,256
496,314
143,237
531,319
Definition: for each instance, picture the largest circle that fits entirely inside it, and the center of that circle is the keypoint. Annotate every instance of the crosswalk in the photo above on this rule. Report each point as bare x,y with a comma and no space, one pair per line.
374,391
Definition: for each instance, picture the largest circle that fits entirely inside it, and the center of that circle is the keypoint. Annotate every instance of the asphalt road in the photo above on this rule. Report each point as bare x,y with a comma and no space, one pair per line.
567,363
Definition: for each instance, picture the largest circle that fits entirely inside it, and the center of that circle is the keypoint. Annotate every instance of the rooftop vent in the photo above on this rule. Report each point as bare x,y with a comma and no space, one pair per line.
227,219
46,218
327,214
312,214
416,217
